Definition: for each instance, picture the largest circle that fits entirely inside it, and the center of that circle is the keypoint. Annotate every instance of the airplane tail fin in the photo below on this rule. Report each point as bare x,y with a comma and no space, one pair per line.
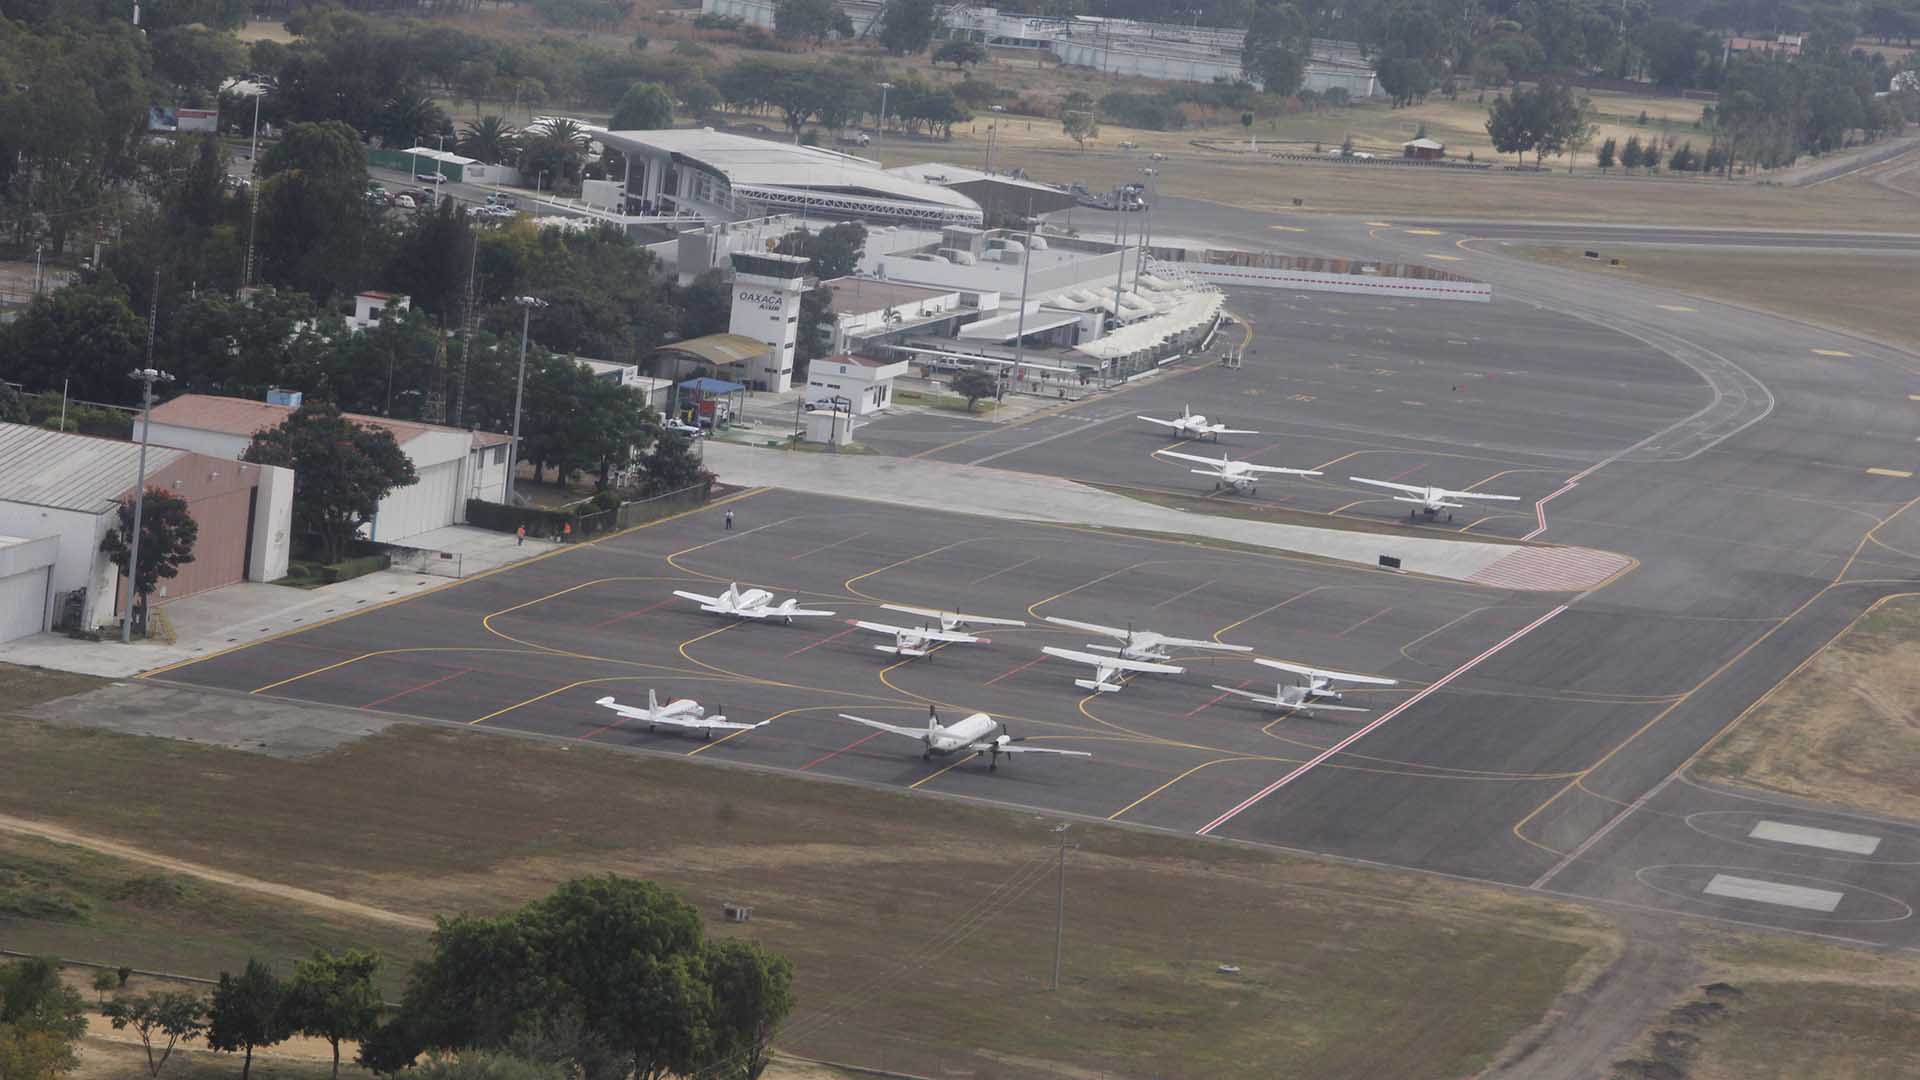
653,701
1097,686
933,721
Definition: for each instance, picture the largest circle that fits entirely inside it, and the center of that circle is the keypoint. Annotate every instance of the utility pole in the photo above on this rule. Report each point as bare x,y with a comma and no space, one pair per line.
880,130
1020,324
1146,236
1059,906
527,304
466,332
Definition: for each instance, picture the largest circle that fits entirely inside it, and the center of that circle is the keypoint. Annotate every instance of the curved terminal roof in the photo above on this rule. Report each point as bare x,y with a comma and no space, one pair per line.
751,165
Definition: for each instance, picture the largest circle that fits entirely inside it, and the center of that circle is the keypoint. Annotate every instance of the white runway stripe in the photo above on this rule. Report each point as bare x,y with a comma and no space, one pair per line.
1773,892
1806,836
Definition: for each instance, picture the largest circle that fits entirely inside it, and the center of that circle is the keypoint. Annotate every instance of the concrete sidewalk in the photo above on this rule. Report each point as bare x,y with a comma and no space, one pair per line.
250,611
938,485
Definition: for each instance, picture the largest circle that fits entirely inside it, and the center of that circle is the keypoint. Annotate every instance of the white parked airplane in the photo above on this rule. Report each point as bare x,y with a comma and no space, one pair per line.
683,713
1310,695
750,604
1144,644
1242,476
952,620
1431,500
1107,669
916,641
1193,425
977,734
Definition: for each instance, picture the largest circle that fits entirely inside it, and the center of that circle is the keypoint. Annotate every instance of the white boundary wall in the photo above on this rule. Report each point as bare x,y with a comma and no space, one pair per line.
1258,277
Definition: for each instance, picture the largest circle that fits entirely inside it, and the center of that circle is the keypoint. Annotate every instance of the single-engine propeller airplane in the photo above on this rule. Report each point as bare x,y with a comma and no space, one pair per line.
916,641
1239,476
952,620
977,734
1107,668
1431,500
1193,425
1144,644
681,713
750,604
1312,693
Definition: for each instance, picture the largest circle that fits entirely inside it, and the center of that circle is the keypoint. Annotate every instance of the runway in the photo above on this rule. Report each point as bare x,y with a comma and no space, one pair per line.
1547,232
1759,473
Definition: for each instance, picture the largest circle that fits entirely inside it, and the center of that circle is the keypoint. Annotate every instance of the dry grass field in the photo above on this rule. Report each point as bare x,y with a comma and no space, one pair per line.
1843,729
1871,294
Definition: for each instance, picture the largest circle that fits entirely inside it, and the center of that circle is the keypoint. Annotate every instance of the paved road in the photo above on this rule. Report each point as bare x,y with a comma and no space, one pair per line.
1600,235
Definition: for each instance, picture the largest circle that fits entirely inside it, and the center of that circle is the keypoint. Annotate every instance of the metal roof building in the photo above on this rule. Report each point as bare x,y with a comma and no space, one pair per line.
64,471
723,177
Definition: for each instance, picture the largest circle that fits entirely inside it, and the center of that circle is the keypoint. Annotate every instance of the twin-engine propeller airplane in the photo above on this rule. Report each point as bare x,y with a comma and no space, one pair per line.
917,641
977,734
684,713
750,604
1193,425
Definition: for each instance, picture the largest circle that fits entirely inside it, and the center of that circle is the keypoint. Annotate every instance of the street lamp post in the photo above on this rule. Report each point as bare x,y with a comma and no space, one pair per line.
880,131
527,304
147,377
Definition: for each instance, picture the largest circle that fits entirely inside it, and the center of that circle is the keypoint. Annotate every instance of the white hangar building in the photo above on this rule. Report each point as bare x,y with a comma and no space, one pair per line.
722,178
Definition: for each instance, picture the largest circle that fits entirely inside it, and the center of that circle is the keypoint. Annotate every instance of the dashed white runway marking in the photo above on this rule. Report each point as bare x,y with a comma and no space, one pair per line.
1807,836
1773,892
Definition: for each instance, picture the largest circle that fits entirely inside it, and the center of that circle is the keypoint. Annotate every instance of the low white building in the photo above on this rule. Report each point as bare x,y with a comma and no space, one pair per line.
60,494
654,392
453,464
866,309
367,307
865,383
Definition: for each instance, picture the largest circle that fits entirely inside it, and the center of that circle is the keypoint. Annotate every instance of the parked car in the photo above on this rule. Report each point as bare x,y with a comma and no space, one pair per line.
430,178
501,198
404,202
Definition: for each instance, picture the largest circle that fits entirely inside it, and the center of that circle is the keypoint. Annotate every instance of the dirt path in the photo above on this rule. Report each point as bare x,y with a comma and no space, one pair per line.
1595,1022
306,897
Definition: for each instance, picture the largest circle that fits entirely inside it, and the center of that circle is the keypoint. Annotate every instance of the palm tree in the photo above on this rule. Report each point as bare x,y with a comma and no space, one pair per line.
490,139
554,147
410,119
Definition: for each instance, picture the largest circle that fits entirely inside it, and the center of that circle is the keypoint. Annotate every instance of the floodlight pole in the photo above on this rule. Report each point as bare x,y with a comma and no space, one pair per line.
1059,907
1146,235
147,377
880,131
527,304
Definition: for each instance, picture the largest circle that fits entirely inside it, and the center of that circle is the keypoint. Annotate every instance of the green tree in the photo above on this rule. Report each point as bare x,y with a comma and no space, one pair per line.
832,252
814,332
333,997
1604,157
196,59
313,209
411,119
341,471
1276,49
671,465
248,1010
961,54
1631,154
84,335
646,106
555,148
167,1015
907,26
1080,126
974,384
167,535
752,993
12,409
811,20
1651,154
1683,159
1508,124
41,1021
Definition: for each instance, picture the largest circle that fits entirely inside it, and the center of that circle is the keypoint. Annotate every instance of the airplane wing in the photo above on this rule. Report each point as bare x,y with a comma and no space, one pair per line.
896,729
927,634
1264,469
1408,488
1162,423
629,711
1093,628
1009,748
956,616
1197,643
1339,676
1112,663
878,628
1274,702
791,612
1215,462
1222,429
1478,495
711,601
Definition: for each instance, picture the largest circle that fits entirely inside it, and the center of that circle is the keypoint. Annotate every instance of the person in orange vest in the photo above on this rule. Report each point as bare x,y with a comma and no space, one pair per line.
566,530
520,536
